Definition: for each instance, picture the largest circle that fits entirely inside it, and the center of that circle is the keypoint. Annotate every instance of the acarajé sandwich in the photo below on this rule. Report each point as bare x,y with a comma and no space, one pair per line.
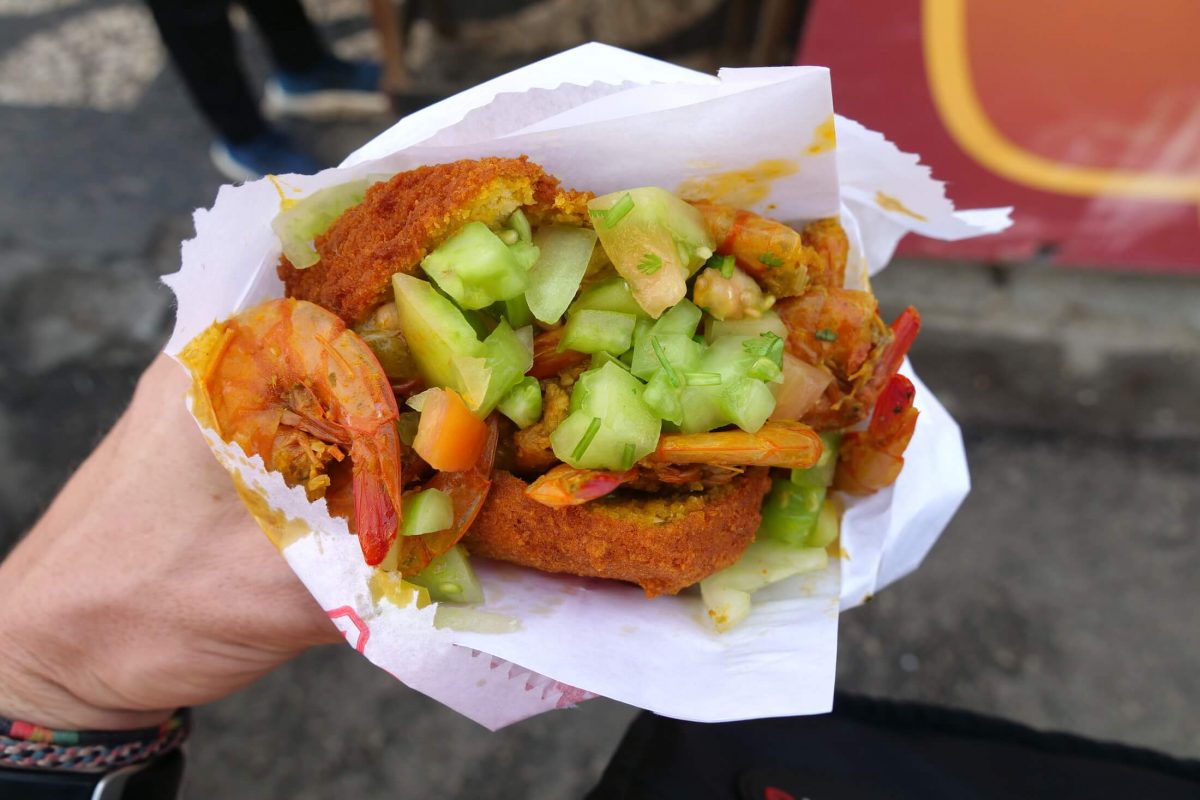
471,359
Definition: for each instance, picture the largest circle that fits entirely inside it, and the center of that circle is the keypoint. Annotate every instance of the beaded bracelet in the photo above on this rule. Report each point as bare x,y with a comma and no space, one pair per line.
25,745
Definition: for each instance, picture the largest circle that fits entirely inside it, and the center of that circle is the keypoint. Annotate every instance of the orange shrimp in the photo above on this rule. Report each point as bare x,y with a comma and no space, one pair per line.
778,443
785,262
287,381
548,359
840,330
568,486
872,459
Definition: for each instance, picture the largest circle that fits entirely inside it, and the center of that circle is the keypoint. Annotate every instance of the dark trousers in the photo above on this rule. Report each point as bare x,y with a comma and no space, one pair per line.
200,39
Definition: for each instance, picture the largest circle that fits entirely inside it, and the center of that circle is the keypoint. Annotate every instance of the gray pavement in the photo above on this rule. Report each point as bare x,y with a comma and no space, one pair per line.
1060,595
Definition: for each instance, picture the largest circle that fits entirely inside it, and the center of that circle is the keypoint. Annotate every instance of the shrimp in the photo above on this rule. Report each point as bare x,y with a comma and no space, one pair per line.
568,486
288,382
783,261
548,359
872,459
778,443
840,330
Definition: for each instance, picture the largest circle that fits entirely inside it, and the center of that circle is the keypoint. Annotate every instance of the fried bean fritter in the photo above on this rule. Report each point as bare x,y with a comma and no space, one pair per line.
661,542
402,219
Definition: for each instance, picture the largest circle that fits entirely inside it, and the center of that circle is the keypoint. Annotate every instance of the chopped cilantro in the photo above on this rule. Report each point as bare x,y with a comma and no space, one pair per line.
650,264
770,260
584,443
627,457
722,264
826,335
672,375
618,211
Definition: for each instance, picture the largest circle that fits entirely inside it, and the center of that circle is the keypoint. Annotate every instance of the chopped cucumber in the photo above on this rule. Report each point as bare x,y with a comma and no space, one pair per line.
726,594
789,514
673,332
655,241
607,415
449,354
769,322
828,526
476,267
450,578
518,222
821,473
613,294
299,224
664,399
507,358
516,311
563,256
435,330
386,583
591,331
523,403
426,511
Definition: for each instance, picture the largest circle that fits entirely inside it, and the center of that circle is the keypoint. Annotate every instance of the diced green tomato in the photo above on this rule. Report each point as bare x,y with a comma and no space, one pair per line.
613,294
472,620
613,396
769,322
308,218
520,223
821,473
563,255
516,311
450,578
507,358
746,402
591,331
790,512
726,594
828,525
659,228
476,268
523,403
425,512
664,399
435,330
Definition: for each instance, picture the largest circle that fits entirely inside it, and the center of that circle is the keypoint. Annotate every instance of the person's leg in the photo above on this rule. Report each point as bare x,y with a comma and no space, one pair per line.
200,40
291,37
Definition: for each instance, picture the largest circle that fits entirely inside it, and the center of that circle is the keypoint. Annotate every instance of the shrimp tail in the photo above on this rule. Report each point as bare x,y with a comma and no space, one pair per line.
872,459
376,505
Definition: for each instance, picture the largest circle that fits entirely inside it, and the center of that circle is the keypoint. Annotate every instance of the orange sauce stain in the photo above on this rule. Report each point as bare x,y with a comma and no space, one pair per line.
281,530
740,188
824,138
889,203
399,592
285,202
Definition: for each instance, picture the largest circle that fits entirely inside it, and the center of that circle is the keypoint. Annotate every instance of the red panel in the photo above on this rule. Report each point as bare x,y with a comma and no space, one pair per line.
1133,103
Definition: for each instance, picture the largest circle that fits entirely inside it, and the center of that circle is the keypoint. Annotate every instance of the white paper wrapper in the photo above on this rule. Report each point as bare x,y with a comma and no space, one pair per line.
604,119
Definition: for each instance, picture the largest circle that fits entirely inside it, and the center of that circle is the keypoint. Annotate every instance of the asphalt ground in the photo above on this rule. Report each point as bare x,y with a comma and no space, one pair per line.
1061,595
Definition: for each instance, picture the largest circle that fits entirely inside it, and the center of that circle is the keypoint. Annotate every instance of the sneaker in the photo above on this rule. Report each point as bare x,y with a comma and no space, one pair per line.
334,87
269,153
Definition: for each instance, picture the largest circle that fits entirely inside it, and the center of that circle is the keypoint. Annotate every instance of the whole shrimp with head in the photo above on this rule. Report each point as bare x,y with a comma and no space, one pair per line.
288,382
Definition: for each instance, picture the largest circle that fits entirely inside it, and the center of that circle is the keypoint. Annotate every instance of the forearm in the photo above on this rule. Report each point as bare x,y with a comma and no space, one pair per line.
146,585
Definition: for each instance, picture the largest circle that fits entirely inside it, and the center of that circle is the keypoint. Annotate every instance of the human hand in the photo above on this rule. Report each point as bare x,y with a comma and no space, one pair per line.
146,585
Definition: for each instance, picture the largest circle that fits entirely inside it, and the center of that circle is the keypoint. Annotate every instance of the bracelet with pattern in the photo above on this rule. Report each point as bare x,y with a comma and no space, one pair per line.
25,745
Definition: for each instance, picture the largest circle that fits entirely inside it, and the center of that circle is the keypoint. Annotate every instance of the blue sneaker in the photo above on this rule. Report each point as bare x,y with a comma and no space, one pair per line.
269,153
334,88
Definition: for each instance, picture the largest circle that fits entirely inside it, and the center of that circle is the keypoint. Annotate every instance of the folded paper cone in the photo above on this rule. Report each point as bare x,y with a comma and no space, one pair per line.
603,119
